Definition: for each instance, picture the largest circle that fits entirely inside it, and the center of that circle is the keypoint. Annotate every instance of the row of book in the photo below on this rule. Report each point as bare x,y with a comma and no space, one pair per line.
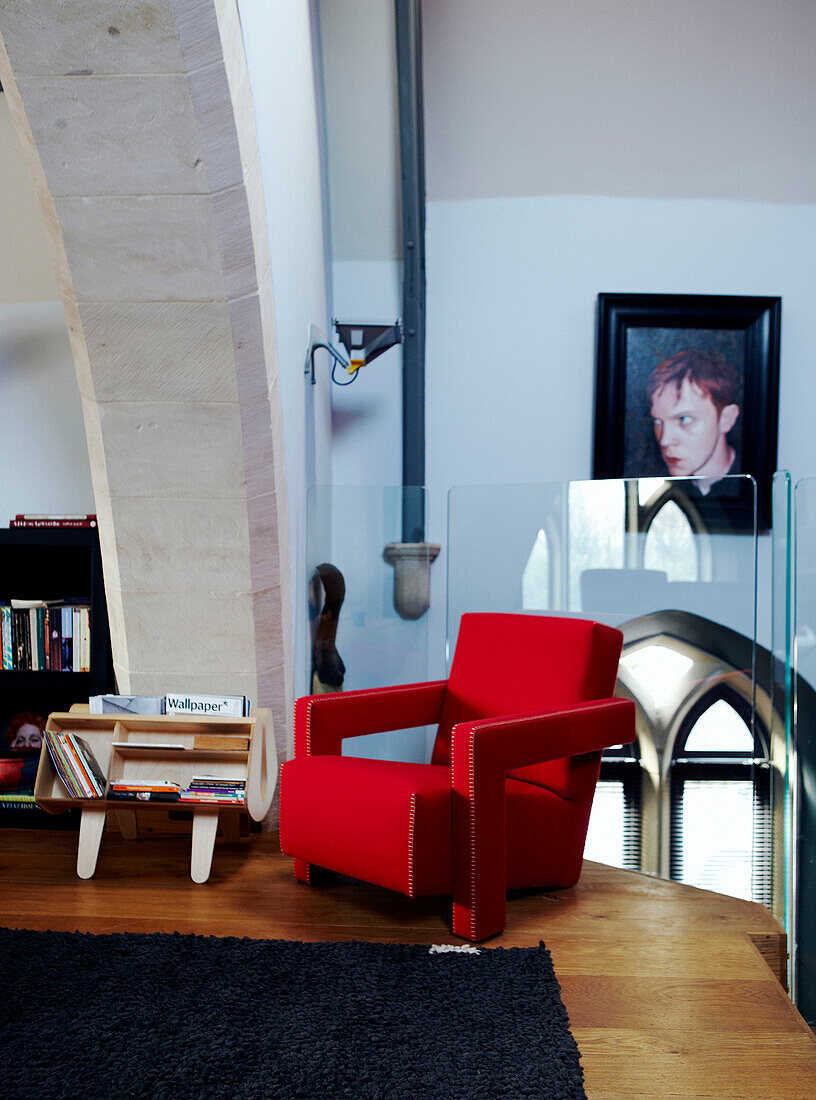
75,764
80,773
205,790
45,636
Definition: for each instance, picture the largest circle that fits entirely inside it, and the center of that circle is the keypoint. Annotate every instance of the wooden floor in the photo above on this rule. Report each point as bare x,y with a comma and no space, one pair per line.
666,987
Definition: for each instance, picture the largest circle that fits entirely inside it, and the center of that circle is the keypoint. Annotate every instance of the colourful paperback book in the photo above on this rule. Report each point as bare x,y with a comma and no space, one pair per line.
143,796
62,765
5,626
67,639
75,653
84,640
94,773
75,764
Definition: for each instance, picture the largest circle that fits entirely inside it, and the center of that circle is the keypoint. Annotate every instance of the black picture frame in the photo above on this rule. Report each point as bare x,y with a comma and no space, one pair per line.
635,332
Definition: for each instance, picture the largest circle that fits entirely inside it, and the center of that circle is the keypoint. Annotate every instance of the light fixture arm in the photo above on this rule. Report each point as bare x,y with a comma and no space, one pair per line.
338,359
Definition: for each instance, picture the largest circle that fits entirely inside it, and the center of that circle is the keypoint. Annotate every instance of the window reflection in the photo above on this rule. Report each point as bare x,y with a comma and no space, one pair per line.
647,487
535,580
596,530
670,544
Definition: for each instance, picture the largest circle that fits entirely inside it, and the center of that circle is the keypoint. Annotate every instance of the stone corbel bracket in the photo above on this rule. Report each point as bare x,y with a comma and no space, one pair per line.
412,563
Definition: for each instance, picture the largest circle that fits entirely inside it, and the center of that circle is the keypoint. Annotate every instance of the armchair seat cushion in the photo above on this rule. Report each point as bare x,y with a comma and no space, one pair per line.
377,820
391,824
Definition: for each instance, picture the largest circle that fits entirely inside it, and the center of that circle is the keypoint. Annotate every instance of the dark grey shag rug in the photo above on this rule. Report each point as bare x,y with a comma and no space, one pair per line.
172,1016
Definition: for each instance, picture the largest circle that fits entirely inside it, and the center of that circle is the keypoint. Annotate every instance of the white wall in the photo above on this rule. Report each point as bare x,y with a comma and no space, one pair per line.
367,415
279,50
360,78
575,147
43,455
511,310
668,98
278,44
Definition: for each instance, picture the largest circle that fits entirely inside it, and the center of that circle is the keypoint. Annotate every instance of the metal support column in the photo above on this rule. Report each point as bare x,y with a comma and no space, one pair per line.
412,159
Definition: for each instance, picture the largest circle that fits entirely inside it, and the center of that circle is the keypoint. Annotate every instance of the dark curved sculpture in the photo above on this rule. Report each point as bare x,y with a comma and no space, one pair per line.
327,590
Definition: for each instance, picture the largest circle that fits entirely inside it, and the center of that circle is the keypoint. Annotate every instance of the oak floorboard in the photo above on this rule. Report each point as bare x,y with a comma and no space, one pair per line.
666,988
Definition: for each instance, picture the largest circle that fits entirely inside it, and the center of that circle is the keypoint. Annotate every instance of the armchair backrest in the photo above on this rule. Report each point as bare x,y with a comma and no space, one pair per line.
511,664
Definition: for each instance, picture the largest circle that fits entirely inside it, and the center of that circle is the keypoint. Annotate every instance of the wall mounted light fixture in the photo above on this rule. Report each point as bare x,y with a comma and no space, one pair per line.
363,341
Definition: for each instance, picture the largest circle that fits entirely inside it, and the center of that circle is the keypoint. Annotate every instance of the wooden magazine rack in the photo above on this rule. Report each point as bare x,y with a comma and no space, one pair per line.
237,748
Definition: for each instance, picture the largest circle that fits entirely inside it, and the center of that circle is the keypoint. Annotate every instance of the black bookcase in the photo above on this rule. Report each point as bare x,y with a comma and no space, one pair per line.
52,564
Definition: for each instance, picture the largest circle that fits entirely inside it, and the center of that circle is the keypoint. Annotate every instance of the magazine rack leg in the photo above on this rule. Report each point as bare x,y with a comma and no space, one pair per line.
91,825
205,826
126,820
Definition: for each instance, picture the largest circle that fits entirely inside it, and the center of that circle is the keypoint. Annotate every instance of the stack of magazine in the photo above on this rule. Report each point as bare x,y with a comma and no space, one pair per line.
215,790
75,764
199,706
158,790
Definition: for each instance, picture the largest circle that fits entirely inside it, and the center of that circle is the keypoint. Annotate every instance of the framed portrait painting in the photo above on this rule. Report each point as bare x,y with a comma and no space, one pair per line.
687,386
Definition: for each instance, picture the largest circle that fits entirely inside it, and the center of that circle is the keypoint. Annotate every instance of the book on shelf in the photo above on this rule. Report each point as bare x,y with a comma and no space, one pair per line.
73,766
61,767
204,799
172,745
89,762
36,618
77,646
19,627
80,762
23,519
143,796
125,704
36,635
221,789
5,637
84,640
18,802
67,635
146,785
234,706
216,781
54,620
148,791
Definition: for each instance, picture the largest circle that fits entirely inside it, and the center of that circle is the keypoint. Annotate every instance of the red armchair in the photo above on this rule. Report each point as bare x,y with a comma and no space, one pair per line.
522,722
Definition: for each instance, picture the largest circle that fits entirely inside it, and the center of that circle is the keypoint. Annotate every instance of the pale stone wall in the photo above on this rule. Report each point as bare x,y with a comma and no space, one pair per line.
137,126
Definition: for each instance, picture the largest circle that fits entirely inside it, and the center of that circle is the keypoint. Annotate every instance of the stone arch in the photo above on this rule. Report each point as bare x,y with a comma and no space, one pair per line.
137,125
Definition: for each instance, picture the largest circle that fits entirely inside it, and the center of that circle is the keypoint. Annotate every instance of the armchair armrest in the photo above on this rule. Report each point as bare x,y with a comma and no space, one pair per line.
482,753
323,721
